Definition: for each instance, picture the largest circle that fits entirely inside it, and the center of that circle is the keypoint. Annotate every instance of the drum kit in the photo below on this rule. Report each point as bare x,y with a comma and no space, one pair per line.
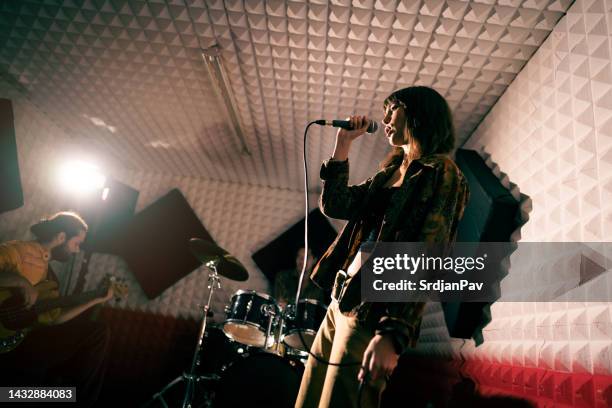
258,345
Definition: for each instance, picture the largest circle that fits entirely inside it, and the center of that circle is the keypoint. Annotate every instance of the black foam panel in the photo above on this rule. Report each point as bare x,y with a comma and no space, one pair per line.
155,243
490,216
11,193
280,253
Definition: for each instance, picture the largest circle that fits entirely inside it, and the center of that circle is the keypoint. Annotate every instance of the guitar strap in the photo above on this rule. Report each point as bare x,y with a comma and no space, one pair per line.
52,276
83,271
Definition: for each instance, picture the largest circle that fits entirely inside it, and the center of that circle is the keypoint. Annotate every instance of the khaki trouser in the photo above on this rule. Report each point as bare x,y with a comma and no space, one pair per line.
339,339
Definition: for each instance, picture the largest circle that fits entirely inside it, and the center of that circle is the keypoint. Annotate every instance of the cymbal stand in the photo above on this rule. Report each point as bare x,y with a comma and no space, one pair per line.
287,314
191,378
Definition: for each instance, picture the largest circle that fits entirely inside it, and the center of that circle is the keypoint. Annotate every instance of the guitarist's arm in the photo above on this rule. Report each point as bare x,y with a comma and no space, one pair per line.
73,312
10,276
11,279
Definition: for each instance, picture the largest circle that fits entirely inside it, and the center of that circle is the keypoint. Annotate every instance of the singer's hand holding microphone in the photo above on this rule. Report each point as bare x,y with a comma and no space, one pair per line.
350,130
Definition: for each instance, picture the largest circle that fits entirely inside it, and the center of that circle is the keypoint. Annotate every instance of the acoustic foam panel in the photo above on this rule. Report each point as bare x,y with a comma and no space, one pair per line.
280,253
155,243
151,102
11,194
490,216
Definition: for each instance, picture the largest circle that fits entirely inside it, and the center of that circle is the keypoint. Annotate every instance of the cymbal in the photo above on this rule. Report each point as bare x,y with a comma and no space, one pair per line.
231,268
227,265
206,251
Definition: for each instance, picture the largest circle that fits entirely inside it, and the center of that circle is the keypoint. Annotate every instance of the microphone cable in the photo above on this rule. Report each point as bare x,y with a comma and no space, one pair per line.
304,266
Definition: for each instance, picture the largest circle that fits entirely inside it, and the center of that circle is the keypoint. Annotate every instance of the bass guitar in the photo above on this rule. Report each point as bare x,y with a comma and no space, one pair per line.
16,320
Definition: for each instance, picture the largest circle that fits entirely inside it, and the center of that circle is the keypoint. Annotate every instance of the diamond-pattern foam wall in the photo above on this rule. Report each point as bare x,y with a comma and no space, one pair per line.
551,132
129,73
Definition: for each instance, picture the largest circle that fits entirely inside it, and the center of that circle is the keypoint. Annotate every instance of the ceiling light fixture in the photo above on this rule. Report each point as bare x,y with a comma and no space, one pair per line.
221,85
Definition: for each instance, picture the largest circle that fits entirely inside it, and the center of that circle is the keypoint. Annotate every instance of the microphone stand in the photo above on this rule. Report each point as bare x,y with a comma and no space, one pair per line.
190,378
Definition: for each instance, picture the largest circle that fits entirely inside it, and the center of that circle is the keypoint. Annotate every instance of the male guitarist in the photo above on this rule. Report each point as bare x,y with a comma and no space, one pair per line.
65,348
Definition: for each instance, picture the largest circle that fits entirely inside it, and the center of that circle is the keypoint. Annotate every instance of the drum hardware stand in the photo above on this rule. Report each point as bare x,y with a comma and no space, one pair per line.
191,378
248,309
269,311
290,311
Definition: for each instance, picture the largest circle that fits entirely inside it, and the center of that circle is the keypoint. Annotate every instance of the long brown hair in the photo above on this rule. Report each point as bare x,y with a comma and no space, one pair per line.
429,119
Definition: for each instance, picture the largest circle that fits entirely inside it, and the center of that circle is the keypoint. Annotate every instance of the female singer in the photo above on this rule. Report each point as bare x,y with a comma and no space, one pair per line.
418,196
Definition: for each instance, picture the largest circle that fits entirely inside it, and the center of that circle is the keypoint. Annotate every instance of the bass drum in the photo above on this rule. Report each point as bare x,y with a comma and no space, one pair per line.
260,380
218,351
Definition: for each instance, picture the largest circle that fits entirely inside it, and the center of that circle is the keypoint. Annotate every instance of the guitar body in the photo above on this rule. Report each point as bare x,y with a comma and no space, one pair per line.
9,339
16,321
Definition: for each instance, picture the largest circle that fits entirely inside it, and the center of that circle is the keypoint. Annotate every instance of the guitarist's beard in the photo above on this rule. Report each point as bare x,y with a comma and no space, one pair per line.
61,253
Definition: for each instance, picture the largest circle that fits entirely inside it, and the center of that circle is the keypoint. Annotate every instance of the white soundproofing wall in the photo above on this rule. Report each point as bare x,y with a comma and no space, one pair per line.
551,133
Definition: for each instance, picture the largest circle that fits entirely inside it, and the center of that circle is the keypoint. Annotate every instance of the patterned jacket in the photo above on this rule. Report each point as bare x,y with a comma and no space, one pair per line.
426,208
30,260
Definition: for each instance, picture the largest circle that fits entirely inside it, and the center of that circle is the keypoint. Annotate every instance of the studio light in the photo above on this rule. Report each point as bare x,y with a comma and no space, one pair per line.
81,177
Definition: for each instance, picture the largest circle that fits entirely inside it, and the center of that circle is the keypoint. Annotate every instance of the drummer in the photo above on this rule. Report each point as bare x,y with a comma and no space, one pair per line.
286,282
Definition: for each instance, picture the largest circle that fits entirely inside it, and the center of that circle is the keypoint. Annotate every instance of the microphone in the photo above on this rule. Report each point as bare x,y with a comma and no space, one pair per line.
345,124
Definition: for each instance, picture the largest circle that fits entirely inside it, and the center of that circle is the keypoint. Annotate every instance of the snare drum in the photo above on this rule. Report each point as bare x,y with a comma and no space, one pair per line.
248,316
308,317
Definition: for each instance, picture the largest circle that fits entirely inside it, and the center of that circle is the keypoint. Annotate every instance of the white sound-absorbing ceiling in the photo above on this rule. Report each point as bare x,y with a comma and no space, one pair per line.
127,77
